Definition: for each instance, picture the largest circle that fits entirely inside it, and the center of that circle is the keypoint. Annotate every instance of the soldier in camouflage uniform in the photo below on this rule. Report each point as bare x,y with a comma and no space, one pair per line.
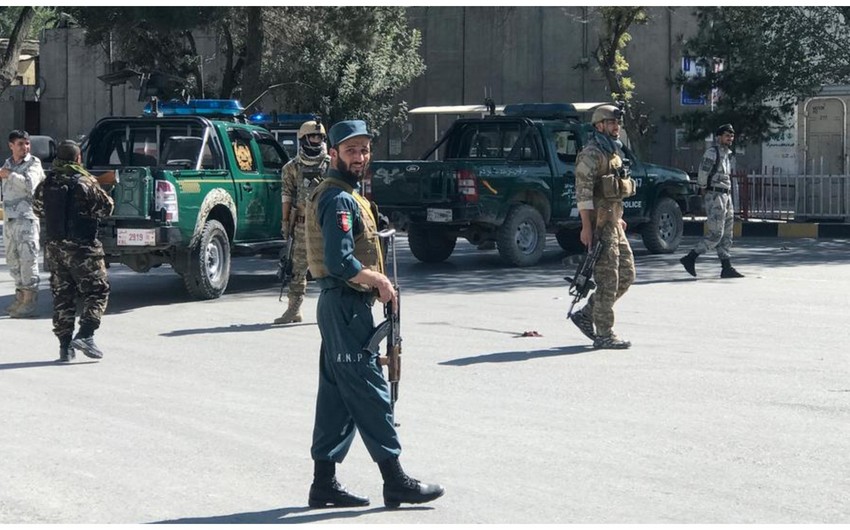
715,183
602,182
71,202
300,176
20,175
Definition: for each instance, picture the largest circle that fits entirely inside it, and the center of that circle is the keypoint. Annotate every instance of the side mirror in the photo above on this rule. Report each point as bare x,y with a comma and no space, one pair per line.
43,147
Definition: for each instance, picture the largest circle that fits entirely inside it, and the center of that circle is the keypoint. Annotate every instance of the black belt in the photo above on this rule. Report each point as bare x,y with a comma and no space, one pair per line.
718,190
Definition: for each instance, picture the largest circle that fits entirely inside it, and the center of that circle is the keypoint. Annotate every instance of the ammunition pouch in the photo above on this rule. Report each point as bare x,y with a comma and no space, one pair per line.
616,188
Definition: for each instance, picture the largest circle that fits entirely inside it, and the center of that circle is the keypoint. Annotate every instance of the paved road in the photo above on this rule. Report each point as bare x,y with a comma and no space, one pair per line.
732,406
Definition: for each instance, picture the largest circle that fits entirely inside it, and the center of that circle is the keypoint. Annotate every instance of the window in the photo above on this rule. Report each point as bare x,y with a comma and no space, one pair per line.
485,140
566,146
272,154
241,142
146,145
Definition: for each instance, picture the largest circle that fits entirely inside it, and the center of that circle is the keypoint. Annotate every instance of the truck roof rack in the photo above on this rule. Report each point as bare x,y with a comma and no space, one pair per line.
542,110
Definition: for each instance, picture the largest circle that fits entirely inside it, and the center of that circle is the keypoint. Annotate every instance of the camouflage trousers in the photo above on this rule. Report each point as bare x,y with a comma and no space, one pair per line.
77,274
298,283
720,222
20,238
614,274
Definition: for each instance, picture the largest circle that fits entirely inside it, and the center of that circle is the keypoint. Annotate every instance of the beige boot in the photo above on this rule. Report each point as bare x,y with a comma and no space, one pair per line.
292,313
28,306
19,297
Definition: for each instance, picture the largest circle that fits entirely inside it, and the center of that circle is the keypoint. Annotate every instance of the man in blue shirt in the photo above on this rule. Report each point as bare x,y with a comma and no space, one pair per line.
344,256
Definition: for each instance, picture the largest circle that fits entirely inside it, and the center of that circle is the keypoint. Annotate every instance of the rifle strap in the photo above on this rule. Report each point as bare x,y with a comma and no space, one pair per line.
715,167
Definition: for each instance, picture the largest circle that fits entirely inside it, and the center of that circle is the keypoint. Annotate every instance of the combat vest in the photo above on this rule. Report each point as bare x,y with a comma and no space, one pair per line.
62,212
614,184
311,176
367,247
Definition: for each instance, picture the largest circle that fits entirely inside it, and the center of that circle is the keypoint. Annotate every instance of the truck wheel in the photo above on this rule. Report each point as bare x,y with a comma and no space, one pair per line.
430,245
663,233
209,263
521,240
570,240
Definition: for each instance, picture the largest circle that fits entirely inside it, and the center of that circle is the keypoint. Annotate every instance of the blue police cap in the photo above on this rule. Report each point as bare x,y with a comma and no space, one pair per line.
344,130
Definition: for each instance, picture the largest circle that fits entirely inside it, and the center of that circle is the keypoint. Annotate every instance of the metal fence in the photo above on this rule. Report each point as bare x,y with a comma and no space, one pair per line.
792,197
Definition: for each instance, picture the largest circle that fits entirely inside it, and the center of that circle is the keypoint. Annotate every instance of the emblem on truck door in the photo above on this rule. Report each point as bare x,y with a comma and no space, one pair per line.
412,168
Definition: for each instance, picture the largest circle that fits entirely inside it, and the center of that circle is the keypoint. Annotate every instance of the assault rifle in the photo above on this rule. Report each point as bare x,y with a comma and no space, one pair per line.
284,264
390,328
582,283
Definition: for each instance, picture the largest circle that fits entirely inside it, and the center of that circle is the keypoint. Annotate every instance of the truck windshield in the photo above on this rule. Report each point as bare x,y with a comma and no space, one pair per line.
178,146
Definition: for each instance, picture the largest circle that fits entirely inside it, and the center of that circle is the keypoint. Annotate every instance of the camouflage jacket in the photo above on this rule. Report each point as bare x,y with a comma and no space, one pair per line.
299,179
18,188
723,177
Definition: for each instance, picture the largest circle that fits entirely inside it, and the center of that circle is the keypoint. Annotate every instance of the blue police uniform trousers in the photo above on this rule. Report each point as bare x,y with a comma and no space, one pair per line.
352,389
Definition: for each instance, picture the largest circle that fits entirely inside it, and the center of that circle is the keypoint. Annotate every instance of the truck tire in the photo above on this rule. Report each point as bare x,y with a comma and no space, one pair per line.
522,238
209,263
569,239
430,245
663,233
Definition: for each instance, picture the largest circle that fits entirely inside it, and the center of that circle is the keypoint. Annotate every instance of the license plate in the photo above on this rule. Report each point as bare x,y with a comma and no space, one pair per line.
439,215
136,237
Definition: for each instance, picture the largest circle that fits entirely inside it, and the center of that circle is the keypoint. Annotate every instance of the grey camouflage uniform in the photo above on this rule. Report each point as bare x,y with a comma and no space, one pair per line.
77,268
21,226
615,270
720,213
299,179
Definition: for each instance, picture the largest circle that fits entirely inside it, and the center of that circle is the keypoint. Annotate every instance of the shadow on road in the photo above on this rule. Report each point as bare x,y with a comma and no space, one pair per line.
37,364
233,328
518,356
286,516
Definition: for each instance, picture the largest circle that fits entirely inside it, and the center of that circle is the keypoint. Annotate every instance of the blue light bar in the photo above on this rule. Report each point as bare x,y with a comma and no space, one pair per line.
198,107
263,118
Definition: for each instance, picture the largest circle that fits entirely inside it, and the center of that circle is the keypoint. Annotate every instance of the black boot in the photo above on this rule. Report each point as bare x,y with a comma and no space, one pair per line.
728,271
66,352
689,261
399,488
84,341
327,492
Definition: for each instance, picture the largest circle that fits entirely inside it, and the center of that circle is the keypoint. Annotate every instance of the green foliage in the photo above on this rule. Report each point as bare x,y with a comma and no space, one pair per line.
341,62
613,39
348,62
45,17
761,61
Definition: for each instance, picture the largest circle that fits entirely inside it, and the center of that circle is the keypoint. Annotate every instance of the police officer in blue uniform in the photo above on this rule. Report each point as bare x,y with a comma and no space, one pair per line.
344,256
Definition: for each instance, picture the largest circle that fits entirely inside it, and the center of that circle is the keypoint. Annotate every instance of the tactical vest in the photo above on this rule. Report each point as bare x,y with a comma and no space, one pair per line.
311,176
610,188
367,248
62,212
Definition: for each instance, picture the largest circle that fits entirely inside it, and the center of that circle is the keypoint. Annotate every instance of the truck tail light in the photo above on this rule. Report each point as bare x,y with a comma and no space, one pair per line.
166,199
366,184
467,185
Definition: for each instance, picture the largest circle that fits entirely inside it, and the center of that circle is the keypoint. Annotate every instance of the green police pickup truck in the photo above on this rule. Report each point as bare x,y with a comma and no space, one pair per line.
192,183
510,179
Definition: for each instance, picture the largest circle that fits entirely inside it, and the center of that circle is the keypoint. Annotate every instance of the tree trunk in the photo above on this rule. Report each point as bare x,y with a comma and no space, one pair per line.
9,66
252,83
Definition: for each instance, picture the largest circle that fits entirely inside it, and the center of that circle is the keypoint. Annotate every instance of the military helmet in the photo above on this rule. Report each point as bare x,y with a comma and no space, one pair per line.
310,152
311,127
606,112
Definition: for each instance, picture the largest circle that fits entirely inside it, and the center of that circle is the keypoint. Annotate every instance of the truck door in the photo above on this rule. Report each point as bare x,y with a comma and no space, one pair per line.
272,159
249,186
564,146
633,205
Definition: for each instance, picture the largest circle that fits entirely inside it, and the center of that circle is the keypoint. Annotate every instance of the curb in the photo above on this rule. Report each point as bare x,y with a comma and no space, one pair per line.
786,230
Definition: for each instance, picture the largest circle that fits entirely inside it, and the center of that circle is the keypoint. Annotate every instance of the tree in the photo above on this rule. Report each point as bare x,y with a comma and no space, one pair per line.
759,63
328,60
9,62
338,64
613,38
